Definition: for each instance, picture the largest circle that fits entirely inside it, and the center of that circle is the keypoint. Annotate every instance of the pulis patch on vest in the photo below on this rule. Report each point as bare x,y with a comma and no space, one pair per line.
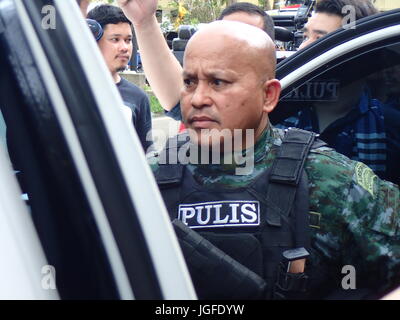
220,214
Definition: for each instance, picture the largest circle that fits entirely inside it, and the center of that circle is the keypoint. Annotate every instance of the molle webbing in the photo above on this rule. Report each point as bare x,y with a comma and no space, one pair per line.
286,172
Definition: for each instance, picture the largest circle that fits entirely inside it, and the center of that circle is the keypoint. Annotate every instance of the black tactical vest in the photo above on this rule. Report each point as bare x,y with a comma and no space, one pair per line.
254,224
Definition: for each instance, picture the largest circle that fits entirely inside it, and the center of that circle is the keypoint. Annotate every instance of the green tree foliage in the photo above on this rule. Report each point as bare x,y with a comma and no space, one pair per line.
265,4
200,11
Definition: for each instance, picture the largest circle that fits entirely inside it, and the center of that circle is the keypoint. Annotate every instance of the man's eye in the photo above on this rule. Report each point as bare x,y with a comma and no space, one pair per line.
188,82
218,82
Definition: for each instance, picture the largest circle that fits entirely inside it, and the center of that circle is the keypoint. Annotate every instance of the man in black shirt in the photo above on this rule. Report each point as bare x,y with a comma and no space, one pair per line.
116,46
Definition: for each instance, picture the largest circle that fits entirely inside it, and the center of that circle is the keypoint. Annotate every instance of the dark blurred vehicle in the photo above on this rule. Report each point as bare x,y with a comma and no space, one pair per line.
334,68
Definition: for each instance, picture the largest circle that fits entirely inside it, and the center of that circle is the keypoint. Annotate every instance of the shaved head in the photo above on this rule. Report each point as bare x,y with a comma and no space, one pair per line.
239,38
240,31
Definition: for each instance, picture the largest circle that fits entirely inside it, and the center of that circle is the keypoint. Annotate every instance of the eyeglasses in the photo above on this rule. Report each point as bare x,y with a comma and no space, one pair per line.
96,28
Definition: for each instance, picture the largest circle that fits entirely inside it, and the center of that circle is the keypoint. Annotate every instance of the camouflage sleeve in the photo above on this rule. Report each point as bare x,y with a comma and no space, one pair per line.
360,218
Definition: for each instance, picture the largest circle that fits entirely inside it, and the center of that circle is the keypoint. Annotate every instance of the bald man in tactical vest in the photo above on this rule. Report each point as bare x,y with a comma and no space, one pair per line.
277,214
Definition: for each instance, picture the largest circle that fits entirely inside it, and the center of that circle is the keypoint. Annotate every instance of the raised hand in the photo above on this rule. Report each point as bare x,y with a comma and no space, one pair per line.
138,11
163,71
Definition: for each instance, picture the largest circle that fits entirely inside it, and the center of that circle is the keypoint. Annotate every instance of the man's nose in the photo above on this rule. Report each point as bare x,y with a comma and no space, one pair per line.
201,95
124,46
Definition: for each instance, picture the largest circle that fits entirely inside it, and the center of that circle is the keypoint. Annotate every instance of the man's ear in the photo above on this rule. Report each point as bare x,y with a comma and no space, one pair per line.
272,91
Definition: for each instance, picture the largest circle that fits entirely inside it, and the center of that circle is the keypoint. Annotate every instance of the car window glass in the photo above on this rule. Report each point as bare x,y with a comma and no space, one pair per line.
354,106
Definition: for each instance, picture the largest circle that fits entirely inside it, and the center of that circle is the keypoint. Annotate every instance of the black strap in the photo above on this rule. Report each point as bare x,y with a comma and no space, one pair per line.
169,175
288,201
301,209
170,170
286,172
292,155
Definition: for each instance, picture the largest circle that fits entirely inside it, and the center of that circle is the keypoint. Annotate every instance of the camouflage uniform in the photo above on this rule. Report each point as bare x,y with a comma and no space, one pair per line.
354,216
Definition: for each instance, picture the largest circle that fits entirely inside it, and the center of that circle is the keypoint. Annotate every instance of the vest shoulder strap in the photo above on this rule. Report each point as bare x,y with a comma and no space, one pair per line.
170,170
288,197
291,157
287,169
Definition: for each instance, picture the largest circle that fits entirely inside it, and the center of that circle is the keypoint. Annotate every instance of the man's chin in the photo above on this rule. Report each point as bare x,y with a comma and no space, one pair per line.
122,68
